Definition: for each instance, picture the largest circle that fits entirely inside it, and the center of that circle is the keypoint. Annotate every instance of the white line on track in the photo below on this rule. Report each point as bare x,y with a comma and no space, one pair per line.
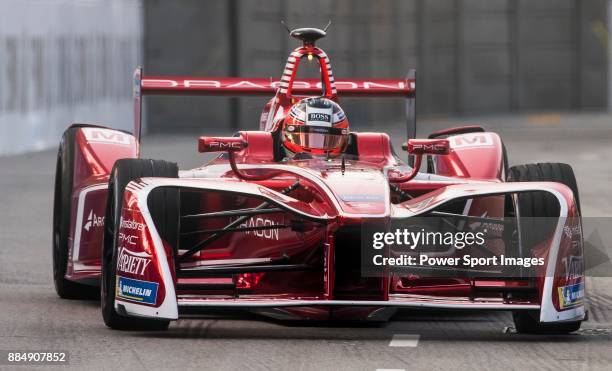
390,369
405,340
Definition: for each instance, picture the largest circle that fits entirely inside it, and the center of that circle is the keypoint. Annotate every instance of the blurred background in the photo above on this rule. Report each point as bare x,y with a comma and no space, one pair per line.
64,61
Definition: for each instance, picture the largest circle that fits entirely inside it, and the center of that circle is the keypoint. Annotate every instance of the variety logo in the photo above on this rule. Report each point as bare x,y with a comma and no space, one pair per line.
132,262
136,290
108,136
132,224
573,267
93,221
570,296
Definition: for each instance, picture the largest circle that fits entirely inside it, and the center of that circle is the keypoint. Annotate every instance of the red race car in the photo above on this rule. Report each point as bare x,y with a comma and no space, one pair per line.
306,219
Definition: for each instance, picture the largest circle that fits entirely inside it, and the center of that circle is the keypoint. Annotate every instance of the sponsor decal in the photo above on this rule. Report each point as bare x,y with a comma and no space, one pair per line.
93,221
99,135
571,231
127,239
220,145
131,224
316,116
571,296
471,140
136,290
132,262
319,117
362,198
267,84
573,267
269,234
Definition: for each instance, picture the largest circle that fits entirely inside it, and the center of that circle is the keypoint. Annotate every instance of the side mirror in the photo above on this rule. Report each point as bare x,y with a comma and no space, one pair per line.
221,144
427,146
231,145
418,148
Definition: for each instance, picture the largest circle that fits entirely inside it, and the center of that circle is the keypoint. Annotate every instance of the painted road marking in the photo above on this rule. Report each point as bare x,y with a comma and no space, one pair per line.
405,340
390,369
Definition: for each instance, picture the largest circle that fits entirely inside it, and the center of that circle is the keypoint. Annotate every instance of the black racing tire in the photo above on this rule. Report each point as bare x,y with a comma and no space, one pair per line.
123,172
536,205
541,208
527,322
64,174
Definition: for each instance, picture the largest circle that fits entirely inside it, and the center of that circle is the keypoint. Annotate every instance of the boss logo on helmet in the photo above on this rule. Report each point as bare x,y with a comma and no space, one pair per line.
317,116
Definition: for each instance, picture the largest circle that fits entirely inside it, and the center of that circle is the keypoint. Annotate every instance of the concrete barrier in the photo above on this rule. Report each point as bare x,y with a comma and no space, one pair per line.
65,61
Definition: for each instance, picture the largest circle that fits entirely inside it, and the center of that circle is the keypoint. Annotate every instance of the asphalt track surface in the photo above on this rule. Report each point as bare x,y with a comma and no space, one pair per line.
32,317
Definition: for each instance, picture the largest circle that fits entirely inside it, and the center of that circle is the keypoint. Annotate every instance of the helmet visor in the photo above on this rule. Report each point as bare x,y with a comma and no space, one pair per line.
316,137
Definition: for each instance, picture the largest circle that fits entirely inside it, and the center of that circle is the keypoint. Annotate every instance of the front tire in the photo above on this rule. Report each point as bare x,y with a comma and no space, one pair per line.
62,207
533,206
123,172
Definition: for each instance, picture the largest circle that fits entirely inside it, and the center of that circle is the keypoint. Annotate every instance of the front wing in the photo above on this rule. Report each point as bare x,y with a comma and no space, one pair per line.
149,281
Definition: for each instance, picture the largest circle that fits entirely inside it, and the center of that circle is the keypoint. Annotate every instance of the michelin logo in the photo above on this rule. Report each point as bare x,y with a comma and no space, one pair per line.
571,295
93,221
136,290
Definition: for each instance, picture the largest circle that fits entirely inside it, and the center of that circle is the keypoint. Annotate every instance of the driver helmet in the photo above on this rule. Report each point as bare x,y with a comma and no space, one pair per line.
317,126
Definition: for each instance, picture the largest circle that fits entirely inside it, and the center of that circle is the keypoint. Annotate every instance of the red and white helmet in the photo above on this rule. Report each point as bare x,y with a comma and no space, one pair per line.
316,125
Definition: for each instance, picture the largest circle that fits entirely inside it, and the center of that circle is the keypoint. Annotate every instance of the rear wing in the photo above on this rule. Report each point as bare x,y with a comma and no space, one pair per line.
237,86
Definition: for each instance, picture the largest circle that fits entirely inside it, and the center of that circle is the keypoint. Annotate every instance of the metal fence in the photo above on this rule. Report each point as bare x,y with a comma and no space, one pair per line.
65,61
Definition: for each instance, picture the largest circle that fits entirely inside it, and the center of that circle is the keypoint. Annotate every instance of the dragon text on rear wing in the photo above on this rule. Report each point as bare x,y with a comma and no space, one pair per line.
238,86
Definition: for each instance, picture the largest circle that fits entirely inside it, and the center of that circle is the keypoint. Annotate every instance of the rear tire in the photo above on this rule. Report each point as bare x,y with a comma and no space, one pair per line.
62,207
535,205
123,172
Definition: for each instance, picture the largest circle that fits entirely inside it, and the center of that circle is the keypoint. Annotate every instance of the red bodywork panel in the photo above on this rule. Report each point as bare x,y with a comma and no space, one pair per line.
96,151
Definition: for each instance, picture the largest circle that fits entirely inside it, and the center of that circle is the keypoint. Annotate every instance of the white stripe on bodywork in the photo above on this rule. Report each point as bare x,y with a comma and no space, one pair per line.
76,243
273,303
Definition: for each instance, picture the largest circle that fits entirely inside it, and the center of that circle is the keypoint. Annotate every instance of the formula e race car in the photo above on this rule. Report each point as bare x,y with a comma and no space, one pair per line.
311,235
